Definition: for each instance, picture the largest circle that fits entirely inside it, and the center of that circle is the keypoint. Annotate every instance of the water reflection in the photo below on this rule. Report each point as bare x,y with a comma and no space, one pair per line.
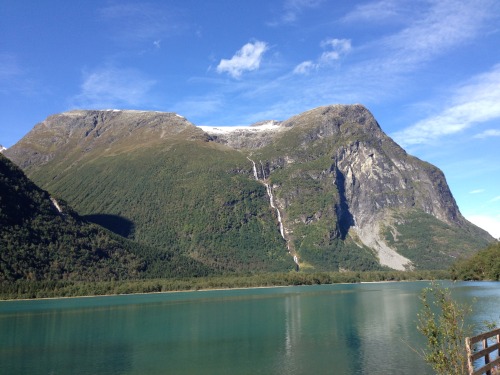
293,320
353,330
61,343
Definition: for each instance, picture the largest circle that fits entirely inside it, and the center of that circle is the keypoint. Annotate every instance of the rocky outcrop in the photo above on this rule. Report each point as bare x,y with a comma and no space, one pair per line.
98,130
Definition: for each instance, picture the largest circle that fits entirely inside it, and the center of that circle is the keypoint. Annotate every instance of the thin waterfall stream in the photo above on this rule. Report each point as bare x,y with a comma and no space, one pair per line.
269,191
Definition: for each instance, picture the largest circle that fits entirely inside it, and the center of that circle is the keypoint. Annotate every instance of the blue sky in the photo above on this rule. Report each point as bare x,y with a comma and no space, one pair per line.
429,71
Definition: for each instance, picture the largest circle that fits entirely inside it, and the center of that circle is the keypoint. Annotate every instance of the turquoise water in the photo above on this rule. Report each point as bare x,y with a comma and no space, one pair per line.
325,329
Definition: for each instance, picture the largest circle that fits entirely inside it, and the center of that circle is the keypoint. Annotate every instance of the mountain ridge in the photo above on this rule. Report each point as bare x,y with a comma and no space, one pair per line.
341,188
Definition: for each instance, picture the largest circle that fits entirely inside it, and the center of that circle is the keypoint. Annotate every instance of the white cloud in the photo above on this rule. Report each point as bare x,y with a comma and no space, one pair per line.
335,49
248,58
111,87
305,67
477,191
475,102
488,134
490,224
496,199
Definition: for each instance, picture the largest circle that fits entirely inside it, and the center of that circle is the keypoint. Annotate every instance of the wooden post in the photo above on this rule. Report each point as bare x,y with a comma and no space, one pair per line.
487,355
470,362
498,342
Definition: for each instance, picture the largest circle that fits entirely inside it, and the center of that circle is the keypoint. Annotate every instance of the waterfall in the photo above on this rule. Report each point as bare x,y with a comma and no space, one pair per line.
254,169
263,171
271,201
269,191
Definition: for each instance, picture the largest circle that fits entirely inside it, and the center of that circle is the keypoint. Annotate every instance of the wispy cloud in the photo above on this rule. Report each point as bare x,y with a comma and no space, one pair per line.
111,87
496,199
381,67
476,191
292,9
13,76
444,25
248,58
473,103
378,11
139,22
9,67
334,50
305,67
488,134
199,106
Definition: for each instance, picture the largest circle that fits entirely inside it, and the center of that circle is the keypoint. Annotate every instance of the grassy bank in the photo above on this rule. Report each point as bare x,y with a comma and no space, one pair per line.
23,289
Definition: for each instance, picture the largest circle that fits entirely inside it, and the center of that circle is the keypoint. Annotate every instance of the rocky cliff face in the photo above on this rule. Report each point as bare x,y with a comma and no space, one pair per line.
367,174
342,193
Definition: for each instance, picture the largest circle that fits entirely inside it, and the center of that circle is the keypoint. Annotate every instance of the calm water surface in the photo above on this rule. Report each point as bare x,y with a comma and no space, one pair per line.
325,329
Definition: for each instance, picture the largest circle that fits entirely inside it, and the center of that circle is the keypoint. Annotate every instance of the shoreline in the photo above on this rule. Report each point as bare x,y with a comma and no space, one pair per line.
208,290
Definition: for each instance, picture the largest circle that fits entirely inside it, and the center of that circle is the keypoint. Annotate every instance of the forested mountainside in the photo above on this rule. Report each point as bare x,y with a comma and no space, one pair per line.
42,238
327,189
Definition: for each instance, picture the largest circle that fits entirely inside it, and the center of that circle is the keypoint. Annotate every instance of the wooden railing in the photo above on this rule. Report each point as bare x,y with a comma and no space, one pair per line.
479,347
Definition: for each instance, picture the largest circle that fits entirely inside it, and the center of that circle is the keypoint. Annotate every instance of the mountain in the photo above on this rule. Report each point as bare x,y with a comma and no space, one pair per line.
42,238
2,149
326,189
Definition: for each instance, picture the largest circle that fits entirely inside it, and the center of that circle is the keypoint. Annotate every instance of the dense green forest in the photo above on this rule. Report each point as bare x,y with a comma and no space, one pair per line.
42,239
484,265
193,201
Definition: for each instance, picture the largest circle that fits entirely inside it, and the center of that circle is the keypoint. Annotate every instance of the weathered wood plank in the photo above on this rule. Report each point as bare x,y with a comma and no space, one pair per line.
487,367
482,336
483,352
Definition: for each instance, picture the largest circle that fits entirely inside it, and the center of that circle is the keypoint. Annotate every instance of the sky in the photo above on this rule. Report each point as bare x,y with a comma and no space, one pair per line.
428,70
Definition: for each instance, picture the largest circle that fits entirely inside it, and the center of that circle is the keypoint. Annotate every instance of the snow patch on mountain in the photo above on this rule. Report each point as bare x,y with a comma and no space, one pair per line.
264,126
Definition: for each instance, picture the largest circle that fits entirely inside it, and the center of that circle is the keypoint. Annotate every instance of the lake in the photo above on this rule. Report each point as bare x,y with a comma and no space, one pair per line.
323,329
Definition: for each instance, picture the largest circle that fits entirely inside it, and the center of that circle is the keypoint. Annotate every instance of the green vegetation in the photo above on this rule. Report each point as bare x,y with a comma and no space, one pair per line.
484,265
186,197
37,242
442,322
428,242
70,288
